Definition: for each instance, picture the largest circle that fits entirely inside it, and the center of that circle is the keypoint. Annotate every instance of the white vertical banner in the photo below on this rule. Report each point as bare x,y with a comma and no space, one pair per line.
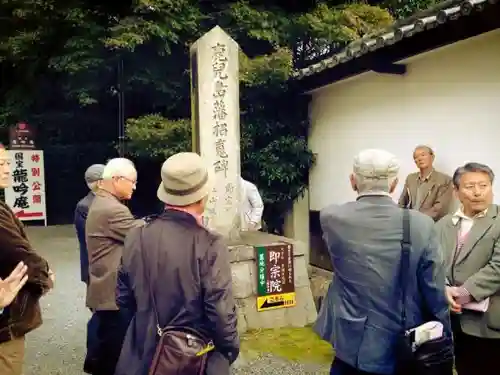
26,195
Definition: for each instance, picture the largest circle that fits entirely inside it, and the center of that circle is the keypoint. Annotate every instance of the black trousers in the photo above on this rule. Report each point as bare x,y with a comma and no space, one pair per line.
92,344
110,332
474,355
341,368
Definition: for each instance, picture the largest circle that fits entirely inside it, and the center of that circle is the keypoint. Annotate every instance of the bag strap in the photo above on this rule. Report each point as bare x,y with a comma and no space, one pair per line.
159,330
405,264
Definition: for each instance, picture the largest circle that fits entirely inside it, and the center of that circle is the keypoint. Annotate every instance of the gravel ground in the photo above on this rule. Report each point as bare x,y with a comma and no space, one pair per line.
271,365
58,347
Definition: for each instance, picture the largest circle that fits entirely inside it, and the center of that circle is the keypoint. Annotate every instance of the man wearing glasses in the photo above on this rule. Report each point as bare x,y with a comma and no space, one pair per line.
108,223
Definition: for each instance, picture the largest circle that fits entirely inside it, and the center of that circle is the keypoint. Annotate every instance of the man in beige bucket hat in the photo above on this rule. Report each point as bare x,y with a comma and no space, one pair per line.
185,181
186,269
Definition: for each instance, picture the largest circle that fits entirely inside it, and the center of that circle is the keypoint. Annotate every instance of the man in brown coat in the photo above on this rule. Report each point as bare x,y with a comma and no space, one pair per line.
108,223
23,315
428,191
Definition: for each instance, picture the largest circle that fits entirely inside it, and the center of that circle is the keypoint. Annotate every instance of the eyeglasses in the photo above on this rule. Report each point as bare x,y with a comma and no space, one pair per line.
133,182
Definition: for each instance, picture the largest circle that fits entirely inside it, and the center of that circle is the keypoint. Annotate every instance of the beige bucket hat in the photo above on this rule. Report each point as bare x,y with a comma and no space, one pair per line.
185,180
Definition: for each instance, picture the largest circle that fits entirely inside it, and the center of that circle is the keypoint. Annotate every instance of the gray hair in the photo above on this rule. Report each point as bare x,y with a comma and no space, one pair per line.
368,185
472,167
424,147
375,171
118,167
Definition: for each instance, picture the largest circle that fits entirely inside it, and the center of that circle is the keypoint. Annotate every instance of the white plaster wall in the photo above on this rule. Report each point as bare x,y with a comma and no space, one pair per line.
449,99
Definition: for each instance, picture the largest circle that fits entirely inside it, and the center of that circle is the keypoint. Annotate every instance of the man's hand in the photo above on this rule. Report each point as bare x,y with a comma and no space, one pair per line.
252,226
452,294
12,284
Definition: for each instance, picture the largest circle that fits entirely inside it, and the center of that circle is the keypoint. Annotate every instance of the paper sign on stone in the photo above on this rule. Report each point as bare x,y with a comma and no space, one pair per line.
275,277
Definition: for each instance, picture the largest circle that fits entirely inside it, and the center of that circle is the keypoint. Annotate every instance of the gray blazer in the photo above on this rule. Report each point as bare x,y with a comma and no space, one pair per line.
108,222
477,268
361,316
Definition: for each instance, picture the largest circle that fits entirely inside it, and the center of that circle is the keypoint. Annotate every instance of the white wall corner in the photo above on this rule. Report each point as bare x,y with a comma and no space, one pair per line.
297,222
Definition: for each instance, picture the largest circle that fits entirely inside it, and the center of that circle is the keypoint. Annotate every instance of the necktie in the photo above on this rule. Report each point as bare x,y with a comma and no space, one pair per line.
461,238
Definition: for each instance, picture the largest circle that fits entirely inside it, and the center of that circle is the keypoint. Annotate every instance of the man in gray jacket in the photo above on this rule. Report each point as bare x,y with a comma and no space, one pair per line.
362,313
470,239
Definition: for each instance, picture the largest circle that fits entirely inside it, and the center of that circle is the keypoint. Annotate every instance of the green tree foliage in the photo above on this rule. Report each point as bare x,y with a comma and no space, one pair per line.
59,70
273,119
405,8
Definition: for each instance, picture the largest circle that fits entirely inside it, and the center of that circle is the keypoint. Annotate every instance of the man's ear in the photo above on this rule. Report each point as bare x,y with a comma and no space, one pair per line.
394,183
352,179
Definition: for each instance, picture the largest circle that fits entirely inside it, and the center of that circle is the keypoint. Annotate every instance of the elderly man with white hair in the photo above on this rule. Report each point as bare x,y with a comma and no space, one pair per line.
108,223
363,313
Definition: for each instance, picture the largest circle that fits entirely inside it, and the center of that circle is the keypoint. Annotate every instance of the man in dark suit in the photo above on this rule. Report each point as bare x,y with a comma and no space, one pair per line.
362,314
427,191
470,239
184,267
93,178
108,223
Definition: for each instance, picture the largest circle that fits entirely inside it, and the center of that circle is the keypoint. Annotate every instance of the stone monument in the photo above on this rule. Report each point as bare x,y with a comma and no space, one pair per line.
270,273
216,124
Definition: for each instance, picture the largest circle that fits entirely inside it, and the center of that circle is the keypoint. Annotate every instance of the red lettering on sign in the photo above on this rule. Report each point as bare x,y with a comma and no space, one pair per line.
37,199
35,172
35,158
36,186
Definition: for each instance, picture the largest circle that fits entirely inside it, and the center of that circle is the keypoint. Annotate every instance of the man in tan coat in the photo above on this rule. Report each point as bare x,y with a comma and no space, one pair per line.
108,223
23,315
427,190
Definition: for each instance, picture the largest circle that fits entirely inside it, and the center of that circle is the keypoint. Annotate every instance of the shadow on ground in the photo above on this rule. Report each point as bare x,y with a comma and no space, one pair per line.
58,346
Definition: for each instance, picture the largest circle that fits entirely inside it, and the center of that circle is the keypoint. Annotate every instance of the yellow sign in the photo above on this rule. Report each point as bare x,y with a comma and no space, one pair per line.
276,301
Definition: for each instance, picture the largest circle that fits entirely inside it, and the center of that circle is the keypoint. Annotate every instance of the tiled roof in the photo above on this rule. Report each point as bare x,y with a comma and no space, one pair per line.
442,13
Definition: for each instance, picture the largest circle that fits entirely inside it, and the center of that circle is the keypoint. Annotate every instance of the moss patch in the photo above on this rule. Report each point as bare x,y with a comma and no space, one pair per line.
295,344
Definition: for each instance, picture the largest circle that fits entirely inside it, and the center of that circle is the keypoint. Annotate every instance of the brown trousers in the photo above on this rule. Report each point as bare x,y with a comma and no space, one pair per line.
12,357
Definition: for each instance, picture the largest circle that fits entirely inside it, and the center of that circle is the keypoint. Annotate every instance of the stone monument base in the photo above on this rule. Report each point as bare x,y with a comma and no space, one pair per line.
244,274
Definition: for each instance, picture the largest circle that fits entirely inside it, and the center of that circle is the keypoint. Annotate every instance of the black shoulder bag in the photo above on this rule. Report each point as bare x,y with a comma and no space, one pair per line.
434,357
180,350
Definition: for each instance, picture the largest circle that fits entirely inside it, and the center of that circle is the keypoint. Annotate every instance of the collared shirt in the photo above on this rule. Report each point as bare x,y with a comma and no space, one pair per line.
465,221
422,188
375,193
198,218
